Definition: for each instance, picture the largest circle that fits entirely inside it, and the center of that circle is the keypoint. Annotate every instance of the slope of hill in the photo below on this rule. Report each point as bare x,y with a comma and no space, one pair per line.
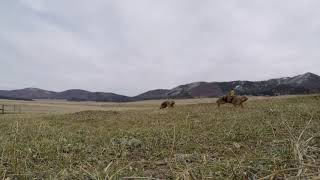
153,94
71,95
197,89
82,95
301,84
28,93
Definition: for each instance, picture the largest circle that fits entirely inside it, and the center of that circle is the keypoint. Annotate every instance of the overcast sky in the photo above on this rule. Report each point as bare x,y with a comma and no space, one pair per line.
130,46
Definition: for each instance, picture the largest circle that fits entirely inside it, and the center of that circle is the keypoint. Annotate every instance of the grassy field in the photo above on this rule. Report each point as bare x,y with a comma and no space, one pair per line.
271,138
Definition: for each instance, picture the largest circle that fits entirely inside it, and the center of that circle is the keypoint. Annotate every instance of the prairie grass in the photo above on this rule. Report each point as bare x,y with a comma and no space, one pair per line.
275,138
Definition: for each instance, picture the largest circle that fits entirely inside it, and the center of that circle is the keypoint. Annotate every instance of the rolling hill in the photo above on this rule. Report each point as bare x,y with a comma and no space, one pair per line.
70,95
302,84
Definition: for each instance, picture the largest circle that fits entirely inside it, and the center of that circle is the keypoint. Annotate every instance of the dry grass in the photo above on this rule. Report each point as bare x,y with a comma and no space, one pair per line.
271,138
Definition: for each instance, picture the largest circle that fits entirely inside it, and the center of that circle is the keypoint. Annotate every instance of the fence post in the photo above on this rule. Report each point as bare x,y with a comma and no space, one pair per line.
2,109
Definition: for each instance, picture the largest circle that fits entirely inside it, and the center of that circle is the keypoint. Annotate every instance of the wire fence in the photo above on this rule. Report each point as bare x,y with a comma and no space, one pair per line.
10,108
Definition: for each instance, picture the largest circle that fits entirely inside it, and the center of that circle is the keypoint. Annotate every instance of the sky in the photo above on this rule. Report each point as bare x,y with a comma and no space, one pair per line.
131,46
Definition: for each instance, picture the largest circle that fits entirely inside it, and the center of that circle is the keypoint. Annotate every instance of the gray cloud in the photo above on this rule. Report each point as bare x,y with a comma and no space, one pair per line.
128,47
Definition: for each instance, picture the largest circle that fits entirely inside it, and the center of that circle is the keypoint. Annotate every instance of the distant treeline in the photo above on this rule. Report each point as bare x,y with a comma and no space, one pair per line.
99,100
12,98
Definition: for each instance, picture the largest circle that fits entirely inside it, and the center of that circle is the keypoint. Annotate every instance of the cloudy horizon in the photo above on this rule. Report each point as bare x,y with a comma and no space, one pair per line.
129,47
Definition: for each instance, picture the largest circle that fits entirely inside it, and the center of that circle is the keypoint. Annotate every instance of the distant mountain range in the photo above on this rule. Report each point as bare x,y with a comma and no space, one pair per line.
70,95
302,84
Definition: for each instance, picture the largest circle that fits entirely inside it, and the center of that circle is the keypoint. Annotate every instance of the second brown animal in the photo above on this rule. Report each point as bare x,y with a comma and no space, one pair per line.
236,100
166,104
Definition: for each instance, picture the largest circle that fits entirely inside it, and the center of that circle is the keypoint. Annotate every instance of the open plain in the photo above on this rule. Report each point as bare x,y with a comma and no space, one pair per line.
271,137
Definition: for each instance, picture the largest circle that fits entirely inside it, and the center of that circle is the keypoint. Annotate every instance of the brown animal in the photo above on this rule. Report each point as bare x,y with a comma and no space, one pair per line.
166,104
236,100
